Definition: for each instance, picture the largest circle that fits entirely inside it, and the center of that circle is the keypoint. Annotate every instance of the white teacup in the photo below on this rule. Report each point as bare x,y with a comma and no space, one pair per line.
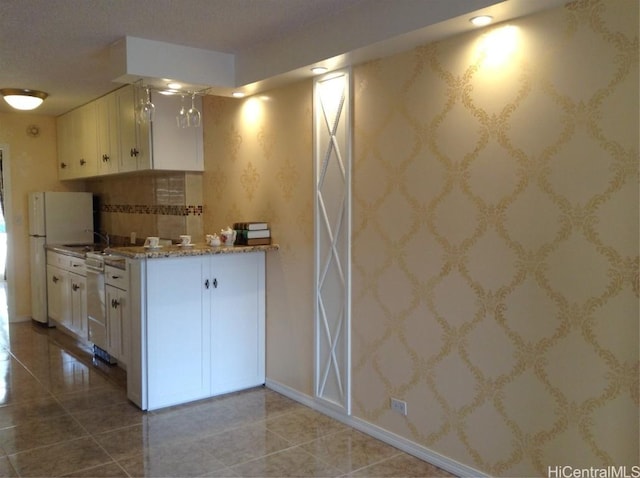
185,239
152,241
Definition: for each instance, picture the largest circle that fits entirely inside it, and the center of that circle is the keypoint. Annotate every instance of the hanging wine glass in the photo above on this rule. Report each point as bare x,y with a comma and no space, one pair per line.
182,119
147,108
193,114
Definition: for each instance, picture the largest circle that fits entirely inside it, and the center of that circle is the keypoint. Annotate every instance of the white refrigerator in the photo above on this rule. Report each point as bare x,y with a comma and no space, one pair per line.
54,218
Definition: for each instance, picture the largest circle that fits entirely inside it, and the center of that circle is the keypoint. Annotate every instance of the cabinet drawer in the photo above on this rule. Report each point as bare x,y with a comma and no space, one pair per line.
116,277
55,259
68,263
76,265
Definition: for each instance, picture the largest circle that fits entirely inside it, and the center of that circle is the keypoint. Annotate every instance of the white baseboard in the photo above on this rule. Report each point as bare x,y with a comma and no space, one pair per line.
19,319
412,448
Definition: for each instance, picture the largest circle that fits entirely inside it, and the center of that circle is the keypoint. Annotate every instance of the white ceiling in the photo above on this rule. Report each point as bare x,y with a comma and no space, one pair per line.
62,46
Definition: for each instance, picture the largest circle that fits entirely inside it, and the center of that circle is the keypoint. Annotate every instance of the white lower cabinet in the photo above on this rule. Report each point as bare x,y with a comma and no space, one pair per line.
202,324
177,332
117,323
67,293
78,302
57,280
237,321
118,314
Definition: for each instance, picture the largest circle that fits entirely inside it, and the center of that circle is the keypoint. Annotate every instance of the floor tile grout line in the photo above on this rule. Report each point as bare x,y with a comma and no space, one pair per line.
343,472
67,414
326,463
293,446
41,447
99,466
68,441
109,455
46,388
233,427
328,435
382,460
256,458
13,467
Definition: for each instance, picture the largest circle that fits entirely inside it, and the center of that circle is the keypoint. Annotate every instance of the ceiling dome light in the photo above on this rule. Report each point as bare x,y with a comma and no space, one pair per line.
237,94
481,20
22,98
316,70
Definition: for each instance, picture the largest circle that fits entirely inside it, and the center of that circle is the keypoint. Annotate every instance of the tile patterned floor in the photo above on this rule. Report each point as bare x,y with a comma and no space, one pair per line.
62,415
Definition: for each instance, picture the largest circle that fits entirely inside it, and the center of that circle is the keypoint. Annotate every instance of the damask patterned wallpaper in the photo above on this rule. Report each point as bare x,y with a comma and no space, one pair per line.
495,237
495,242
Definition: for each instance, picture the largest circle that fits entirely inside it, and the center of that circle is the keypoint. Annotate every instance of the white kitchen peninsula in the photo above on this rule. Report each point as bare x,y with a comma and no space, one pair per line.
197,322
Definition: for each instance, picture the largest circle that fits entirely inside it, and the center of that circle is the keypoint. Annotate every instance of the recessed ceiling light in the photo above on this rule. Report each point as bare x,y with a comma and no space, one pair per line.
237,94
481,20
174,86
316,70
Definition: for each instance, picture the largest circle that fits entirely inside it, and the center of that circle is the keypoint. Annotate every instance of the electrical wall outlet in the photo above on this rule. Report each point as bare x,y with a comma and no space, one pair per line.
399,406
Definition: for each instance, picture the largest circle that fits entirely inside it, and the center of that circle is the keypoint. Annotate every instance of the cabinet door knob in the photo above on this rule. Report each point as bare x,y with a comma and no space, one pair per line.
206,283
63,165
215,283
134,153
114,303
82,162
55,279
75,287
105,158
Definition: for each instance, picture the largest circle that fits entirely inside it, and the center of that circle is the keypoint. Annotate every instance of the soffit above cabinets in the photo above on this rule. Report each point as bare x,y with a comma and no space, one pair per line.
157,63
64,47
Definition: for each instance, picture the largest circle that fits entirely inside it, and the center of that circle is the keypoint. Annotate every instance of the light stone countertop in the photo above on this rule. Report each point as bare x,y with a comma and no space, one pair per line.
79,250
175,250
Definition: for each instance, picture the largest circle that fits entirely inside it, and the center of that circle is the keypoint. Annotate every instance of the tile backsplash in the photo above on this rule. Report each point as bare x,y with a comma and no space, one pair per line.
158,204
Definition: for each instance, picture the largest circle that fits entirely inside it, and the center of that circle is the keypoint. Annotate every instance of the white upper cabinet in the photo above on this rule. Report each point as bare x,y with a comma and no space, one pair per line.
64,126
87,162
133,156
77,143
107,136
175,148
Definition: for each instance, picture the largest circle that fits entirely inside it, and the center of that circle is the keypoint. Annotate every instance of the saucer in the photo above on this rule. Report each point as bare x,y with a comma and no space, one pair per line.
186,245
152,247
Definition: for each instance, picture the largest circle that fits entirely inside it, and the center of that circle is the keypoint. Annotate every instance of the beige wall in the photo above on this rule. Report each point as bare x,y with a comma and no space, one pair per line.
495,238
33,167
